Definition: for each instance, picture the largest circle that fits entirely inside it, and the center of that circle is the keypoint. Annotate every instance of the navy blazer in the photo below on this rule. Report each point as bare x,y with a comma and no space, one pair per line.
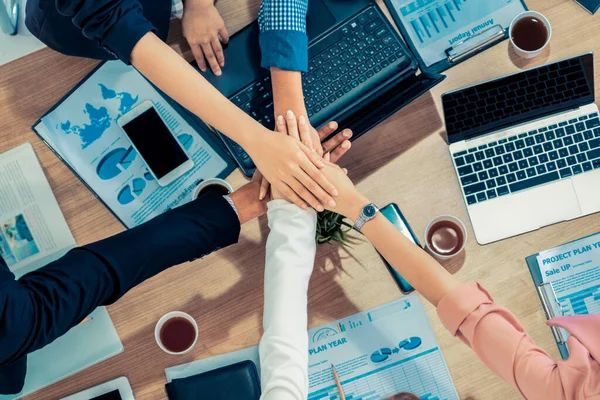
100,29
44,304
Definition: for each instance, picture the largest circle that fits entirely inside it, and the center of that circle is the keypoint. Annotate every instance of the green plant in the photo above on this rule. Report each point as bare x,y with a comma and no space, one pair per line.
331,226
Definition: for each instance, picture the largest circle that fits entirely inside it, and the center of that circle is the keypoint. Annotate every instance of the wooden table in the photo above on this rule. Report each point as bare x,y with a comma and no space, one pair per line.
404,160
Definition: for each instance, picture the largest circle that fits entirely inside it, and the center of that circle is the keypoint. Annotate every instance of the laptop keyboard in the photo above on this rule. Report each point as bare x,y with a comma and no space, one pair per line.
529,159
345,59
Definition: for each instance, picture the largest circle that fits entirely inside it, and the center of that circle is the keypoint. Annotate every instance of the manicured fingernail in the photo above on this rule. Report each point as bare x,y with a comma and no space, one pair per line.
347,134
222,63
302,120
335,192
280,120
320,208
331,203
218,73
346,145
332,125
289,114
261,194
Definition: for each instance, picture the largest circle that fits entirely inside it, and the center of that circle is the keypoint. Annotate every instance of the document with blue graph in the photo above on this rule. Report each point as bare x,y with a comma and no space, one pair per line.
572,274
379,353
437,25
83,131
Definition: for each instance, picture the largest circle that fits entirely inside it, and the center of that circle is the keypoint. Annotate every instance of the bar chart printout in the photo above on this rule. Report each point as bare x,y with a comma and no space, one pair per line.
436,25
379,353
573,270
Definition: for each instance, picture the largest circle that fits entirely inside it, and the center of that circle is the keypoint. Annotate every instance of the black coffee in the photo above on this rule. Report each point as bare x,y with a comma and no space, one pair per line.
530,34
177,334
445,238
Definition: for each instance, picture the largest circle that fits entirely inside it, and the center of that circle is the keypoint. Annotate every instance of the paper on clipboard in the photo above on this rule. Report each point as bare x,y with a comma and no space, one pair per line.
434,26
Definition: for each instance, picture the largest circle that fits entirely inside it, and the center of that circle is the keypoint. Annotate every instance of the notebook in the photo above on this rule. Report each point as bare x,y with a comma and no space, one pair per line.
567,279
33,233
82,130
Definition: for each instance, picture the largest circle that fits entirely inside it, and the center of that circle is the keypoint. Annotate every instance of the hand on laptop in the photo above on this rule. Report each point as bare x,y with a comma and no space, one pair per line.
205,30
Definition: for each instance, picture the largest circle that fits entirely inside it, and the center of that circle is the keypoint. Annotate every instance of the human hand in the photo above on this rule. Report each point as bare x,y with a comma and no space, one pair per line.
205,30
350,201
336,146
292,168
246,201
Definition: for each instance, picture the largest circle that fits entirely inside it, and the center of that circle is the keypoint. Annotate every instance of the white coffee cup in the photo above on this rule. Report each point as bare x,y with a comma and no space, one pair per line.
167,317
527,54
461,231
209,182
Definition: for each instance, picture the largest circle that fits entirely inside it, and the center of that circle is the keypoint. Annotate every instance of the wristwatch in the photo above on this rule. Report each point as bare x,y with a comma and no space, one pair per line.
368,213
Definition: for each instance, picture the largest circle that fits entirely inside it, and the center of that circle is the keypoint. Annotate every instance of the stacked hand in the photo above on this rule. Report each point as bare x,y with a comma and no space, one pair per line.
332,150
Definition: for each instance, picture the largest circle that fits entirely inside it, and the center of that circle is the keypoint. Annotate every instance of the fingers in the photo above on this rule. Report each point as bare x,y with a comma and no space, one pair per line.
218,49
209,53
304,129
339,151
292,125
289,194
224,35
264,188
199,56
307,193
337,140
327,130
280,125
317,176
314,158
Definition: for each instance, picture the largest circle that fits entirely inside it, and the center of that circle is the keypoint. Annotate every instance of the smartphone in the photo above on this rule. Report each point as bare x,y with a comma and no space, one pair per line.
393,214
590,5
164,156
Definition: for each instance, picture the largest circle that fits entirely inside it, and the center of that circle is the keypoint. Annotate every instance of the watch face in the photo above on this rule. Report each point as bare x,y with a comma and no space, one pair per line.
369,211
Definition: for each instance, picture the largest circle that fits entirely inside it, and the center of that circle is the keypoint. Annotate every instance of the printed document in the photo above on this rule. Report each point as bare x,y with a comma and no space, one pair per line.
574,272
377,353
437,25
33,231
83,130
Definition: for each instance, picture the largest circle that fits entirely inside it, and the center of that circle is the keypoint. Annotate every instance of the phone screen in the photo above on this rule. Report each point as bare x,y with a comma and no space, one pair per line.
114,395
393,214
590,5
157,146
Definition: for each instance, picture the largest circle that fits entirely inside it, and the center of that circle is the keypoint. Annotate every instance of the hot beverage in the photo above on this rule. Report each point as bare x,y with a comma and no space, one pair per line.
212,185
529,33
445,237
177,334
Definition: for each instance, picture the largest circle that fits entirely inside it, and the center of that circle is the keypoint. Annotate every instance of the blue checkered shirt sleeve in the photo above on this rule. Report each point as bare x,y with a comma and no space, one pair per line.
283,40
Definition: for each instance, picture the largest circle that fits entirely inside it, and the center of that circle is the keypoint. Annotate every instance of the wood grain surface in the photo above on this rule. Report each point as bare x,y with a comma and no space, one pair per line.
403,160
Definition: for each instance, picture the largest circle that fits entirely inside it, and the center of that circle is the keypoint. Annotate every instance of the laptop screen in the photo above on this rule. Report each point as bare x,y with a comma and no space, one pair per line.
519,98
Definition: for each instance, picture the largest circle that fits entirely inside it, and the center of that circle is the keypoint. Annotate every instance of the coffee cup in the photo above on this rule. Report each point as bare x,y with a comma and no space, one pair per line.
176,333
445,237
530,33
219,185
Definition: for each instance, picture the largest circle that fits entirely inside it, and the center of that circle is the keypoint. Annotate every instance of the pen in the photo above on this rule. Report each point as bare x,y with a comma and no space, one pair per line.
337,382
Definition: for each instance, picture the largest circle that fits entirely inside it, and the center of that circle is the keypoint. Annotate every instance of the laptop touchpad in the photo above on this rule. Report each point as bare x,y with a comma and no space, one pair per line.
524,211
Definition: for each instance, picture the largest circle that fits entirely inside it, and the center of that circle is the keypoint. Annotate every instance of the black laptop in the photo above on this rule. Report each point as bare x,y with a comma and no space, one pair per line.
360,73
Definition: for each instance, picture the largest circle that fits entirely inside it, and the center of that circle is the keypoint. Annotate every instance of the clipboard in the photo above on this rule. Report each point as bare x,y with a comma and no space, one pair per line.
467,41
549,302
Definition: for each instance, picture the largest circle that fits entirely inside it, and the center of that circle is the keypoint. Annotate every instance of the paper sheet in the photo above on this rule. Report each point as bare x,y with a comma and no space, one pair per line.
436,25
377,353
574,272
84,131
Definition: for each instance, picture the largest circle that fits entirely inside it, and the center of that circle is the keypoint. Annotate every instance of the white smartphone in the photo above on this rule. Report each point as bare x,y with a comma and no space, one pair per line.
157,146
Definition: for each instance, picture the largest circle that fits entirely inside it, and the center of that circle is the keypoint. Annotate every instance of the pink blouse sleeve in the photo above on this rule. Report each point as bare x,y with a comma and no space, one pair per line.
502,344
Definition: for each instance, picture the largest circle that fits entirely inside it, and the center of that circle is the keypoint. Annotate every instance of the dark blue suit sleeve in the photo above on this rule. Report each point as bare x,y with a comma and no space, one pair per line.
44,304
116,25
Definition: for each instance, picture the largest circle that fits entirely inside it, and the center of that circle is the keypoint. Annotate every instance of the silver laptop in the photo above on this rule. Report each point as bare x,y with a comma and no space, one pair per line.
526,148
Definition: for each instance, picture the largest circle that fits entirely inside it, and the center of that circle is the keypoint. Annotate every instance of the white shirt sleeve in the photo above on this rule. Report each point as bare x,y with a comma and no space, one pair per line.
290,259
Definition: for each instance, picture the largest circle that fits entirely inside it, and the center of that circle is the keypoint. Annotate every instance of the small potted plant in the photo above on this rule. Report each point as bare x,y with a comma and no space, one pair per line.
332,226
